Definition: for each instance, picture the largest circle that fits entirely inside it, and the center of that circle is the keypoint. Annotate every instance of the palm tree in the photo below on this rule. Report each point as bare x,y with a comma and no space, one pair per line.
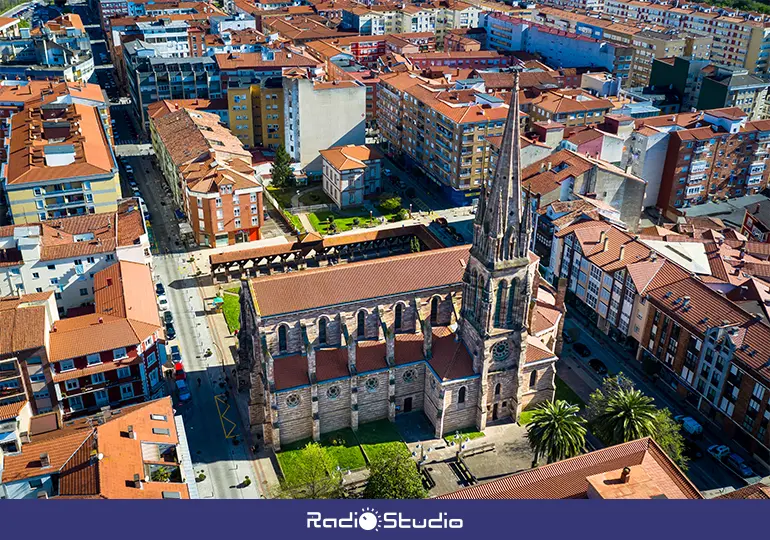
556,431
627,416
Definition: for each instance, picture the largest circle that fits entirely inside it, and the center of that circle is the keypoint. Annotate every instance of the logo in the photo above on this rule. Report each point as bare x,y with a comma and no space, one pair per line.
369,519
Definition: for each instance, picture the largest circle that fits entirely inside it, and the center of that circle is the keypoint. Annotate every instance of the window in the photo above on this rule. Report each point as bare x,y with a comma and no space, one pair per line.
34,360
151,359
292,401
38,377
333,392
83,292
76,403
126,391
124,372
35,275
42,394
498,387
71,384
254,221
97,378
533,379
54,281
409,375
110,257
372,384
93,359
66,365
281,339
399,316
117,354
322,331
461,395
35,483
154,377
361,330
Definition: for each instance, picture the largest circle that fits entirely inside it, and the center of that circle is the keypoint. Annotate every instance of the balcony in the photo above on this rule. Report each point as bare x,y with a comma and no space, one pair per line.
696,178
64,202
698,166
699,149
754,180
758,167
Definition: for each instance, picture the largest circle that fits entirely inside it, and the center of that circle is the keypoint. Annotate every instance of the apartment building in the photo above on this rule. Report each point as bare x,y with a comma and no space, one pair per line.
506,33
735,89
60,163
756,222
58,50
462,60
154,77
306,131
63,255
351,174
255,95
440,129
301,29
24,372
366,50
9,27
721,155
134,452
112,357
109,9
570,107
211,176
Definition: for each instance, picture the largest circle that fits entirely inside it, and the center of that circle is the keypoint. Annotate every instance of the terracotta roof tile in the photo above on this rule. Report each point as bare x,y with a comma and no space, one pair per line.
290,371
299,291
350,157
11,410
330,364
408,348
370,356
537,351
757,491
450,359
568,479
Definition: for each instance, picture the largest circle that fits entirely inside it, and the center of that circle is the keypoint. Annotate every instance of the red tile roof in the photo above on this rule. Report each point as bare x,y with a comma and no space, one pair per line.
449,356
568,479
290,371
330,364
370,356
299,291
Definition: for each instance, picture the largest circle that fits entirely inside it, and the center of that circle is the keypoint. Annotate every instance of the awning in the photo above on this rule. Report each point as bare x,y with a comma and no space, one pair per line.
7,436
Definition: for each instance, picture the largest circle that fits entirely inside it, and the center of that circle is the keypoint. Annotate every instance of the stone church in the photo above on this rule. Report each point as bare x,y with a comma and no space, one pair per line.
465,334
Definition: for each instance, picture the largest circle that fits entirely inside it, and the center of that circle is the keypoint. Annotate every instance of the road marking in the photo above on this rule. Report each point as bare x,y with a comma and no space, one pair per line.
218,398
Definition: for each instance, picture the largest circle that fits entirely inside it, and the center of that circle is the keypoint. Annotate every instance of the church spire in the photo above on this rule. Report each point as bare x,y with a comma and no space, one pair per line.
501,231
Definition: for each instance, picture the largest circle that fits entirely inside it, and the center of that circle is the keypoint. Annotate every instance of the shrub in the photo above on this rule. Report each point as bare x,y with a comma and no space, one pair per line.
401,215
356,221
390,204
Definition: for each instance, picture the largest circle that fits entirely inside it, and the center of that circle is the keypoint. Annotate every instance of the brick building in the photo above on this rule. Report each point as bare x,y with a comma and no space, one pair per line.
468,338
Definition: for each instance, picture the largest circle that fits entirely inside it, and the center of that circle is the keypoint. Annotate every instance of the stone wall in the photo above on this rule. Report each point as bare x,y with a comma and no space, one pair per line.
295,423
414,387
544,388
460,415
334,412
372,405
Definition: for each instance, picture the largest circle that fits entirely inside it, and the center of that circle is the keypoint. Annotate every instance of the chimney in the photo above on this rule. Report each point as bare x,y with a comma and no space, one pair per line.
45,461
625,476
602,236
131,433
137,481
101,320
550,165
622,252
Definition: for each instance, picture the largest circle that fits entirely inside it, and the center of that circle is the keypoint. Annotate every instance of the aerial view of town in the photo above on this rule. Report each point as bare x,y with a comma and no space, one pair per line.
384,249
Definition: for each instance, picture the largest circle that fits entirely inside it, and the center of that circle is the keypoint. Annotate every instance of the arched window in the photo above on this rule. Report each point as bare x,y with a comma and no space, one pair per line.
533,379
498,387
399,317
511,302
322,331
282,339
502,297
361,324
471,300
434,310
461,395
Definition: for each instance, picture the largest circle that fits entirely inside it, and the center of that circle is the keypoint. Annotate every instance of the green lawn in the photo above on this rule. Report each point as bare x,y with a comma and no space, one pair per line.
341,445
376,437
563,392
466,433
344,220
294,221
232,309
315,196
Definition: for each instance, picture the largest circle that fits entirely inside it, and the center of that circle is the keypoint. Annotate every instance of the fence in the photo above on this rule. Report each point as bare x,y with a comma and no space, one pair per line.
305,209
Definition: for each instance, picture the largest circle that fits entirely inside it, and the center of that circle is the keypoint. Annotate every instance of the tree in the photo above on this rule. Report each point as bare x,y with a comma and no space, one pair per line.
556,431
390,203
610,386
628,415
669,437
24,23
394,475
414,245
282,173
315,476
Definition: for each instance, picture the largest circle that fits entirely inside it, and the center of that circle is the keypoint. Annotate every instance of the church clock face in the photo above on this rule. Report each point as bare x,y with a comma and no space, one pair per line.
501,350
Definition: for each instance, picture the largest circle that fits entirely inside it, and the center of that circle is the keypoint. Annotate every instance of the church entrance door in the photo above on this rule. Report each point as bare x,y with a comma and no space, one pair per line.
407,404
494,412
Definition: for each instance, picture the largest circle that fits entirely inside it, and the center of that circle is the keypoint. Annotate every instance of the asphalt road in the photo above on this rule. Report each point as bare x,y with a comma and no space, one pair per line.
705,472
211,429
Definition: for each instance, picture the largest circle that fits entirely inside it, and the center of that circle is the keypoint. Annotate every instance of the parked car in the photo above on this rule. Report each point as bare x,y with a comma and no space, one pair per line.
170,330
581,349
160,290
689,425
692,450
176,354
183,391
719,451
738,464
179,372
387,172
168,317
162,303
598,366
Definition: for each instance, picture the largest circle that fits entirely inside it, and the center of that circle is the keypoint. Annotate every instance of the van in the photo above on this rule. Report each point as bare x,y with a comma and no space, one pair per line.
691,427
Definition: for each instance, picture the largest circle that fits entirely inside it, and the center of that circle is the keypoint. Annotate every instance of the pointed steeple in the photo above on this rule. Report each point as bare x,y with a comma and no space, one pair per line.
501,231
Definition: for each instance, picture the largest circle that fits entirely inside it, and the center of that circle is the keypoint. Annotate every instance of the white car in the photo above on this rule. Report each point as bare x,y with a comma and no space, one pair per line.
163,302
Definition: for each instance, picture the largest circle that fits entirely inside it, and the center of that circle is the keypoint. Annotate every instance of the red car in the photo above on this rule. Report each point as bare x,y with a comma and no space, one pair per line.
179,372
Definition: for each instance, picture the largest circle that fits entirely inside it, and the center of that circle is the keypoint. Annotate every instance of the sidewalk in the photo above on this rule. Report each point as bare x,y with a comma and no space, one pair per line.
225,345
305,222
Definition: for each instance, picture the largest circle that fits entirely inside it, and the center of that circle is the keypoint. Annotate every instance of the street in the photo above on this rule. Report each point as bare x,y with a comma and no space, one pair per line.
213,428
705,472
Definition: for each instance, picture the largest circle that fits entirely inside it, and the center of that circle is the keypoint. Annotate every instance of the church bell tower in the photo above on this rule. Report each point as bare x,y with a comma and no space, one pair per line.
498,281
